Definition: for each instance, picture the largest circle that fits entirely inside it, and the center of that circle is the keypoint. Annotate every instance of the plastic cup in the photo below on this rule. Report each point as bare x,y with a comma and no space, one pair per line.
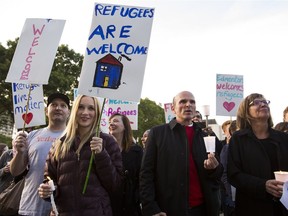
210,143
281,176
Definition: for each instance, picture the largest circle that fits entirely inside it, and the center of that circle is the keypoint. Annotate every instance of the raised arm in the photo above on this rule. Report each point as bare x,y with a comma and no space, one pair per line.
20,161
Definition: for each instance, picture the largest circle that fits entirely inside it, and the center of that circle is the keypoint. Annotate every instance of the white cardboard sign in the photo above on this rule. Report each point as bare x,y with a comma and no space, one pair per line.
229,94
36,49
116,52
36,108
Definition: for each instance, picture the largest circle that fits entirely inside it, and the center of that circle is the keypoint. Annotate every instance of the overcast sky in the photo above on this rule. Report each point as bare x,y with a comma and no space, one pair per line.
191,41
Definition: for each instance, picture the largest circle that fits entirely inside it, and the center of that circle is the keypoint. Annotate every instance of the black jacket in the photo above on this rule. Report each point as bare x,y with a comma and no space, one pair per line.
249,167
126,202
164,175
5,178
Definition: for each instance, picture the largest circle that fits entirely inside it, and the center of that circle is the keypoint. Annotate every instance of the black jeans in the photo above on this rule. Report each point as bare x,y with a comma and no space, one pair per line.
197,211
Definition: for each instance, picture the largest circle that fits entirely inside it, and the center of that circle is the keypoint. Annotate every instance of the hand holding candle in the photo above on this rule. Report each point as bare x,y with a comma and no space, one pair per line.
52,186
281,176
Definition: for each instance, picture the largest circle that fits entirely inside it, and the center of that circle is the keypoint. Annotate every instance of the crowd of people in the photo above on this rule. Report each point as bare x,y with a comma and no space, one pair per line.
170,174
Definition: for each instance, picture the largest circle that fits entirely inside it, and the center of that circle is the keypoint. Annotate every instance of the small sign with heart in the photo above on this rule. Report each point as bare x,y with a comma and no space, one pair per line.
27,118
228,106
229,94
30,112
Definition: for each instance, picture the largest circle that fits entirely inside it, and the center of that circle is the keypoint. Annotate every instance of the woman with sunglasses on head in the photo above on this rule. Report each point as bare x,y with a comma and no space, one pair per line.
256,150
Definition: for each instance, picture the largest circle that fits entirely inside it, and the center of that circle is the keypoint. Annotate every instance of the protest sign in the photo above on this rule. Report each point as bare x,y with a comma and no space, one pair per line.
169,114
116,52
130,109
229,94
35,115
35,52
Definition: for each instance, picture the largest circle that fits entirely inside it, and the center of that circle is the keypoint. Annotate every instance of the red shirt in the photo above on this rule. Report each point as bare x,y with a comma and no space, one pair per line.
195,193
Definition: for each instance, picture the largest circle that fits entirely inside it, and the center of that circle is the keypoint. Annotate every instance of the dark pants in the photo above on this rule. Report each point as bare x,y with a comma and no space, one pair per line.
197,211
228,210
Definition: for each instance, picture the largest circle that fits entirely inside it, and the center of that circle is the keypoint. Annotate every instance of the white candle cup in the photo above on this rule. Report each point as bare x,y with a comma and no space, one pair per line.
206,110
281,176
210,143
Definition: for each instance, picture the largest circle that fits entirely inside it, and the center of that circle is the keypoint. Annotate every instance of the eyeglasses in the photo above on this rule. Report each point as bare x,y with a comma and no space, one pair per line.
258,102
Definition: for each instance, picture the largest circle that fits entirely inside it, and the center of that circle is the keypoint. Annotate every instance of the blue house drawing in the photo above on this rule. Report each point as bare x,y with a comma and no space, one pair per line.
108,72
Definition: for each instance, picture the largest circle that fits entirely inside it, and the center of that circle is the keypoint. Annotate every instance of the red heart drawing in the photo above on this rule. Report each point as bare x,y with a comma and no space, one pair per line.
228,106
28,117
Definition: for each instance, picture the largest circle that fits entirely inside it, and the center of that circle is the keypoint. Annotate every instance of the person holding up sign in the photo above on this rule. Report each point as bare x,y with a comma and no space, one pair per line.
31,153
68,161
177,175
255,152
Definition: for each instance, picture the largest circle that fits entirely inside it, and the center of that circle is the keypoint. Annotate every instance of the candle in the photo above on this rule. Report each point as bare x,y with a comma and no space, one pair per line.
51,184
281,176
210,143
206,110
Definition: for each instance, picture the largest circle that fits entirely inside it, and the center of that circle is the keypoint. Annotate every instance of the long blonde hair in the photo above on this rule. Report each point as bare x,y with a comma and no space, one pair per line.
62,147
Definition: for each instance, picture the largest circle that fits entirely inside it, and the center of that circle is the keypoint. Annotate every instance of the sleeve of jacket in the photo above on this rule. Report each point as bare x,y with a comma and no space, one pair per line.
3,162
108,164
147,177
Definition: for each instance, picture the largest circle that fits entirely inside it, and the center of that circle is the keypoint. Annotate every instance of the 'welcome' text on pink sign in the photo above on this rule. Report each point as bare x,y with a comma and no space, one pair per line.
229,93
35,52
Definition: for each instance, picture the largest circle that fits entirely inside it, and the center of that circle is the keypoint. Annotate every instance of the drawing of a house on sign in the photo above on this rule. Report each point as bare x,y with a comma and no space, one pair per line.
108,72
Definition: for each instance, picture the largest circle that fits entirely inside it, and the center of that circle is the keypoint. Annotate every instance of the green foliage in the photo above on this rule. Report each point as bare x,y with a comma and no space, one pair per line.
6,56
65,72
6,140
149,114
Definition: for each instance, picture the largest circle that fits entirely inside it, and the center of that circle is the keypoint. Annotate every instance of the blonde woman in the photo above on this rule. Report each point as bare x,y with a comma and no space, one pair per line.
67,164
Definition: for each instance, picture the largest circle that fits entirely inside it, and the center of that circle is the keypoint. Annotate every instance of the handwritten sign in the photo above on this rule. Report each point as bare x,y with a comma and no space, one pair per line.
36,49
116,52
229,94
169,114
36,109
130,109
